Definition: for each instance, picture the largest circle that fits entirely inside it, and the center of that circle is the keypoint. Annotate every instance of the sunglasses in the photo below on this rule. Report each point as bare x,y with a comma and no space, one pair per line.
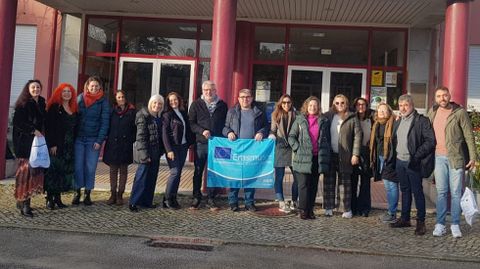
286,102
338,103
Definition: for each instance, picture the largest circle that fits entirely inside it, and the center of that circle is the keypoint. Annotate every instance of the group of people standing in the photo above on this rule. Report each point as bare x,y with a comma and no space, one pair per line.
348,145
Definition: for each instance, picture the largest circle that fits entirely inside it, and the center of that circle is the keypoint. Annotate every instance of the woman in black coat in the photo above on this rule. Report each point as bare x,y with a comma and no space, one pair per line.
60,135
118,148
28,121
177,137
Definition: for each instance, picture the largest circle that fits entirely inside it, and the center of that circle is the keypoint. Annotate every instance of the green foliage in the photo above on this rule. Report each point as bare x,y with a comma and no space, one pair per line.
475,118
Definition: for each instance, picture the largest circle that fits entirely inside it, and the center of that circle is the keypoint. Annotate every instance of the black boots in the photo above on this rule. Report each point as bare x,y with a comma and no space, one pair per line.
57,198
26,210
87,200
113,198
49,201
76,197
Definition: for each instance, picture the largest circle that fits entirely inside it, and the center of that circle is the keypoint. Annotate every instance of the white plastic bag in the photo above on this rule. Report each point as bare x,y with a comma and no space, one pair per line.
469,205
39,153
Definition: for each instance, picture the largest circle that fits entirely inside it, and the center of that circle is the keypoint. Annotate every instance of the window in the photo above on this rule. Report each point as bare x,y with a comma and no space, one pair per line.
388,48
269,43
328,46
270,75
102,35
159,38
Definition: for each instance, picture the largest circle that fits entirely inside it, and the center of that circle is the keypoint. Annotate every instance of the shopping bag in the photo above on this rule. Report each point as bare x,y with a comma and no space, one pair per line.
39,153
469,206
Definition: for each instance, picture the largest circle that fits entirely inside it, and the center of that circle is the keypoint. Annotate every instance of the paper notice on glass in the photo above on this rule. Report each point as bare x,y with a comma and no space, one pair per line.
391,79
262,91
377,77
377,95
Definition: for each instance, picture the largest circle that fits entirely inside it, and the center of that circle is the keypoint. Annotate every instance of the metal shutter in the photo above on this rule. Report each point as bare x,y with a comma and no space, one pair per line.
474,77
23,59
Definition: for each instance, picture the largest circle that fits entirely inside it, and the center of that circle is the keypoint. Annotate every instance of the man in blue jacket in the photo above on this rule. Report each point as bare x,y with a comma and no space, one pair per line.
245,120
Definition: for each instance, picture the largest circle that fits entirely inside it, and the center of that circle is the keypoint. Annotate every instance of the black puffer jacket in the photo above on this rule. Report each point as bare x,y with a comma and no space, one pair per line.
26,120
149,136
121,135
421,144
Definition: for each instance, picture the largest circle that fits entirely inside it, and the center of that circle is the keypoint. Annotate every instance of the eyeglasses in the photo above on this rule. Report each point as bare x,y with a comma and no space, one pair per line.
286,102
361,104
244,97
338,103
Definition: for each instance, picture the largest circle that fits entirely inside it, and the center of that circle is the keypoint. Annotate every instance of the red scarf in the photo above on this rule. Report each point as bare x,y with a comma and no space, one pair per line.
90,98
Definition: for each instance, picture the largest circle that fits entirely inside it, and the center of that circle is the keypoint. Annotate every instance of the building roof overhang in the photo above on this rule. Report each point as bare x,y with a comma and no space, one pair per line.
386,13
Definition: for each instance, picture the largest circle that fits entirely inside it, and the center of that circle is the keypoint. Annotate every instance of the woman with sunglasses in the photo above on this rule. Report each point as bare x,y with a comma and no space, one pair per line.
346,139
282,119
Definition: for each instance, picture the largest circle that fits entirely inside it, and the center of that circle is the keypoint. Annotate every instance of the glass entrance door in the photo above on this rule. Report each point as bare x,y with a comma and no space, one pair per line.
140,78
324,83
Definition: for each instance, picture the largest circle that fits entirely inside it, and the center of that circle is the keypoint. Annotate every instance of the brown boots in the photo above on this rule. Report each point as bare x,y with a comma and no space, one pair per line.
113,198
120,198
420,229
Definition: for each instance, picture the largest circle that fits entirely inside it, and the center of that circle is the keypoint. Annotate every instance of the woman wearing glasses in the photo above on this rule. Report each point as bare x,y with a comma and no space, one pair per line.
346,138
282,119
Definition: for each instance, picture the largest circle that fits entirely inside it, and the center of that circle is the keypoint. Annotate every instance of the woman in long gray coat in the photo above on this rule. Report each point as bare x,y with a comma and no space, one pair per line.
282,119
310,142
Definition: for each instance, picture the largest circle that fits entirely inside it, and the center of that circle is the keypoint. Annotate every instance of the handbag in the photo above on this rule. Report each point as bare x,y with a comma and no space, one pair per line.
468,203
39,156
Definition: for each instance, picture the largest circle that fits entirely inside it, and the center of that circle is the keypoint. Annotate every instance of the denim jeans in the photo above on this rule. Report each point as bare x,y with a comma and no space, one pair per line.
143,188
249,196
279,175
201,154
391,189
176,166
410,183
445,178
86,160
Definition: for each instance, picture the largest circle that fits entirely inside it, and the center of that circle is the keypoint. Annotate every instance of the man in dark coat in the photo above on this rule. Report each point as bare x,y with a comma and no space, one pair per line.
414,143
207,118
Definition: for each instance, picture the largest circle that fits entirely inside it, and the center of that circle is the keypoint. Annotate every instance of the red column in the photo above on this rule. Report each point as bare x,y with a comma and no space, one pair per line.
8,15
241,69
223,46
455,54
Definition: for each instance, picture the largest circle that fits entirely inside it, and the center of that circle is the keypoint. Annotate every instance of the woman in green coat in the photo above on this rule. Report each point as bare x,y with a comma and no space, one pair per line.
310,142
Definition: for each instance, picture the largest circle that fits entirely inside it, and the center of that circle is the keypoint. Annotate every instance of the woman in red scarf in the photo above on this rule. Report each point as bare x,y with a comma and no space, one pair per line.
94,119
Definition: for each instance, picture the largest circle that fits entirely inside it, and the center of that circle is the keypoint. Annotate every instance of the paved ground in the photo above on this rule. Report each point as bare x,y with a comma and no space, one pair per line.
358,235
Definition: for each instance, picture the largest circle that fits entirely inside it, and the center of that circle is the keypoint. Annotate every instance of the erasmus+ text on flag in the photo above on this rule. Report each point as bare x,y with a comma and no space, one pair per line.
243,163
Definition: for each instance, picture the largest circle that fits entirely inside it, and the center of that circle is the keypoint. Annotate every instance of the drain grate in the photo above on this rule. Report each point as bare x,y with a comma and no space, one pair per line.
182,243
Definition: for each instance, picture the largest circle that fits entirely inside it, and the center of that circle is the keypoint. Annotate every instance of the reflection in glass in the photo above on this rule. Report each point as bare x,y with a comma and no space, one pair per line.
348,84
102,35
388,48
394,92
305,84
104,67
137,82
203,73
175,78
272,74
328,46
159,38
205,40
269,43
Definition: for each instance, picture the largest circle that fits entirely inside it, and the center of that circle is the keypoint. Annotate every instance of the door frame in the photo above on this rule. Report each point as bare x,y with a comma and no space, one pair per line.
156,73
326,74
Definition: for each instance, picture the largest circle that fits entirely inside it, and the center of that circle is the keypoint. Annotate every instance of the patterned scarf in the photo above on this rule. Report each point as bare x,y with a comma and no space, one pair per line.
387,136
212,105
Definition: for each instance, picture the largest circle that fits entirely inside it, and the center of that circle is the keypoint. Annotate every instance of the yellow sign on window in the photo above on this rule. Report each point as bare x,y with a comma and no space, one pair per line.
377,78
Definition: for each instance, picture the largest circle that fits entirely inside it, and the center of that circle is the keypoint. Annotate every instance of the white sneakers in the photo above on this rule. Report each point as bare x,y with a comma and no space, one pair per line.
347,215
456,233
328,212
441,230
282,207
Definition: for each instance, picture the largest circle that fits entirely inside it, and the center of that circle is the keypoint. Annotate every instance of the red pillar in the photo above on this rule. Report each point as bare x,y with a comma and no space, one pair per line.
223,46
455,54
241,69
8,16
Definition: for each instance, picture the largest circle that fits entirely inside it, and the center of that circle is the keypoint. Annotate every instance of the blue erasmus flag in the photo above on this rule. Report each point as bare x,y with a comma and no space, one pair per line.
243,163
